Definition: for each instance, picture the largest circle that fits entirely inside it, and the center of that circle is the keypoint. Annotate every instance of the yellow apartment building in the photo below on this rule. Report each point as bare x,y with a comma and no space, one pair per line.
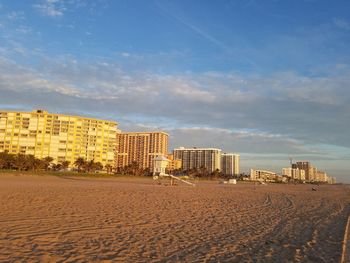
174,164
62,137
140,147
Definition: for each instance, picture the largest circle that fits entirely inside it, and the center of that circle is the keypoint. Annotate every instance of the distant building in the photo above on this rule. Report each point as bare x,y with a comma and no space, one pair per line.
262,175
310,171
302,175
174,164
321,177
331,180
294,173
62,137
210,158
140,147
230,163
287,172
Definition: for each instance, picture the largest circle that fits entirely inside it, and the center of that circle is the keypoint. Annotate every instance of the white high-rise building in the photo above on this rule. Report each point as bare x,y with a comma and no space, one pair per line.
210,158
230,163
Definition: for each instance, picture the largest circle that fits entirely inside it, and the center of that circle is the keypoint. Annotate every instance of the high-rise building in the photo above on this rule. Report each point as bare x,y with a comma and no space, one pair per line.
321,177
230,163
288,172
310,171
140,147
210,158
294,173
62,137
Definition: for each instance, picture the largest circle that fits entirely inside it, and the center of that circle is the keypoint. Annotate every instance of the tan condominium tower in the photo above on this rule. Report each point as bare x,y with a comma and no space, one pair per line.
210,158
62,137
140,147
310,170
230,163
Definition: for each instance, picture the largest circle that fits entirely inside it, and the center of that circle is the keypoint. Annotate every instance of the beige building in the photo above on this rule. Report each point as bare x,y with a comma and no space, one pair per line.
210,158
294,173
62,137
174,164
140,147
262,175
331,180
230,163
321,177
310,171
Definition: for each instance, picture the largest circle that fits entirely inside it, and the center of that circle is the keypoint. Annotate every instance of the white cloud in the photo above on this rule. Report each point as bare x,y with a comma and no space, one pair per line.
125,54
52,8
341,23
57,8
16,15
285,104
280,114
24,30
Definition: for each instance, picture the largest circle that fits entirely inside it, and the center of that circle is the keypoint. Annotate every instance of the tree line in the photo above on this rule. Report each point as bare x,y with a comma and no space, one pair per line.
22,162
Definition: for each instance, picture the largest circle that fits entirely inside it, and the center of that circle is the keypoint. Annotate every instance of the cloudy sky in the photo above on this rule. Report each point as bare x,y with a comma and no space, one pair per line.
266,79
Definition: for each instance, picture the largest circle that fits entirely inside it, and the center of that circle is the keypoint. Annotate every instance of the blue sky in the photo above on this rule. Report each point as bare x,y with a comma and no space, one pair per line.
267,79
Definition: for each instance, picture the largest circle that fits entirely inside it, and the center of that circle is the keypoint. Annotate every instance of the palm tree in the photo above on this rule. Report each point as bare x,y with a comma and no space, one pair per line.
88,166
6,160
21,162
47,162
79,163
65,165
134,168
97,166
203,171
57,167
215,174
108,168
38,164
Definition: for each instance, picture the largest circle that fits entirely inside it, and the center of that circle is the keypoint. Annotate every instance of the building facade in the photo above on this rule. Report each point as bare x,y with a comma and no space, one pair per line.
174,164
262,175
62,137
230,163
321,177
294,173
210,158
140,147
310,171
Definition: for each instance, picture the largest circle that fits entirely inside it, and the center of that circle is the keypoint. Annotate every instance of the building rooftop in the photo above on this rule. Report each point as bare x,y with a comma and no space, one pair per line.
144,132
161,158
41,111
197,148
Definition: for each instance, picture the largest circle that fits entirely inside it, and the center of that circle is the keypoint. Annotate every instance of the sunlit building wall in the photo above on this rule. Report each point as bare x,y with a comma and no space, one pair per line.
174,164
294,173
210,158
62,137
262,175
140,147
310,171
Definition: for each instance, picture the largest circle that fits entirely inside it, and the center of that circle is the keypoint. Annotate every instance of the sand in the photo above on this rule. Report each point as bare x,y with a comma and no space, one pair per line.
71,219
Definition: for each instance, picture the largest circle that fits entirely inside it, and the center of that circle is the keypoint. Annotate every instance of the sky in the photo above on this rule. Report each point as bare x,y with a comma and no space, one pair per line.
266,79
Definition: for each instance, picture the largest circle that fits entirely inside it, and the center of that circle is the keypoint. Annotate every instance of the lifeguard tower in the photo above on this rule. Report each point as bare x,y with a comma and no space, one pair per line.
159,170
160,164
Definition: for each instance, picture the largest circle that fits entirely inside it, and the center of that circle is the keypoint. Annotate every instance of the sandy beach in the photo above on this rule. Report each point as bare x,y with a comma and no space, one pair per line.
74,219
